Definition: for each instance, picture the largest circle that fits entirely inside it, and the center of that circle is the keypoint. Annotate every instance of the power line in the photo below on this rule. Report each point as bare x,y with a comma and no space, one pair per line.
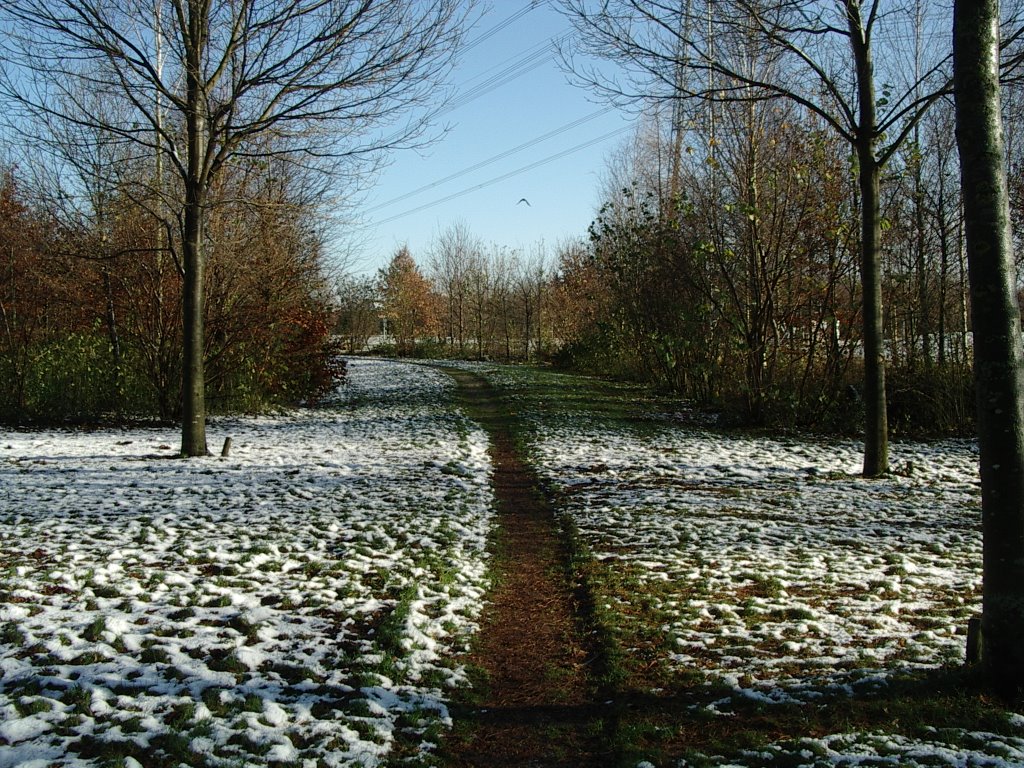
511,68
509,175
526,63
493,159
507,71
521,63
500,26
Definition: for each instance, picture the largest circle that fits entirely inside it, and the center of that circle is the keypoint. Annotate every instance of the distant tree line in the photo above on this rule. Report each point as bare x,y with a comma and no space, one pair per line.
725,266
462,300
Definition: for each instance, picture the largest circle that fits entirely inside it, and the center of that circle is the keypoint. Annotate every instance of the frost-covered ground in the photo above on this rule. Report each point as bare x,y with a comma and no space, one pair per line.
297,603
769,567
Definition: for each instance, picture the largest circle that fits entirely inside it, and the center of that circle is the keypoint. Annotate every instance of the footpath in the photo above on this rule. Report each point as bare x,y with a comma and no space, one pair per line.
533,702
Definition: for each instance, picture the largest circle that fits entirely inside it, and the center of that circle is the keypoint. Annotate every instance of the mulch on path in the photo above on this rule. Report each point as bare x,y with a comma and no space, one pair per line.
535,704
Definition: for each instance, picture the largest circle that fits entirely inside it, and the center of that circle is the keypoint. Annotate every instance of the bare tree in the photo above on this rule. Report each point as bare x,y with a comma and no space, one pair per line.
530,281
325,84
827,56
998,351
479,295
451,256
358,312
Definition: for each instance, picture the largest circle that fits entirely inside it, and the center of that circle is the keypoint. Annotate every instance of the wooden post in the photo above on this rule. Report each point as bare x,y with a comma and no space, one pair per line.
226,450
974,641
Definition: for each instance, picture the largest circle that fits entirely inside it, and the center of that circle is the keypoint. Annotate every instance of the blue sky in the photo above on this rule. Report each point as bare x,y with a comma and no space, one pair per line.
521,95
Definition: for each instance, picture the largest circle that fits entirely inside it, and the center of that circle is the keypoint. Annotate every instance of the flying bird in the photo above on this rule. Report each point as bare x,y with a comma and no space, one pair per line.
524,200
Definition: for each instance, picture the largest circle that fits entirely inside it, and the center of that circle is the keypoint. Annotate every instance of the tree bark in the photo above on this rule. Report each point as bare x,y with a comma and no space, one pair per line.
998,350
114,336
876,423
193,406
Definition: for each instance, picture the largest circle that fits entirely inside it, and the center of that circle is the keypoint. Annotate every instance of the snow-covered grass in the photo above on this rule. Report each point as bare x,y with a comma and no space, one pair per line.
301,602
752,572
774,566
297,603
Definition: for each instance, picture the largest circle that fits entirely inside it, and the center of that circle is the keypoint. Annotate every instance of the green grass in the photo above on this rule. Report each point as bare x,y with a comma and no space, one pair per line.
34,705
78,699
440,565
391,630
94,632
228,663
11,634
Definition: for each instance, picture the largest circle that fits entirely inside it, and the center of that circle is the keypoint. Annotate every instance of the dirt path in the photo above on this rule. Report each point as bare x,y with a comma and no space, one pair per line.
534,705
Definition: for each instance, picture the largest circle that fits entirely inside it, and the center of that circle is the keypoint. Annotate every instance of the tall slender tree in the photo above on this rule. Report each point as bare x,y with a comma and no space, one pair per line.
998,350
326,84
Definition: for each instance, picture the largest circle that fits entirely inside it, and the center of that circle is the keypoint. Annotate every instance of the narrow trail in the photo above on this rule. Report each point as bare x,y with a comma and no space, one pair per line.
534,705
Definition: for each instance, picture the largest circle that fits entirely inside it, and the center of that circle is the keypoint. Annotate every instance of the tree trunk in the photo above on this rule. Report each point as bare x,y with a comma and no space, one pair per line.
876,425
943,271
998,352
924,324
115,338
193,394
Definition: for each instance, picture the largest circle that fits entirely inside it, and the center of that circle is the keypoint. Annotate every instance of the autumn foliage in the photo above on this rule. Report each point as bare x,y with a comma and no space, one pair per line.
90,319
409,304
